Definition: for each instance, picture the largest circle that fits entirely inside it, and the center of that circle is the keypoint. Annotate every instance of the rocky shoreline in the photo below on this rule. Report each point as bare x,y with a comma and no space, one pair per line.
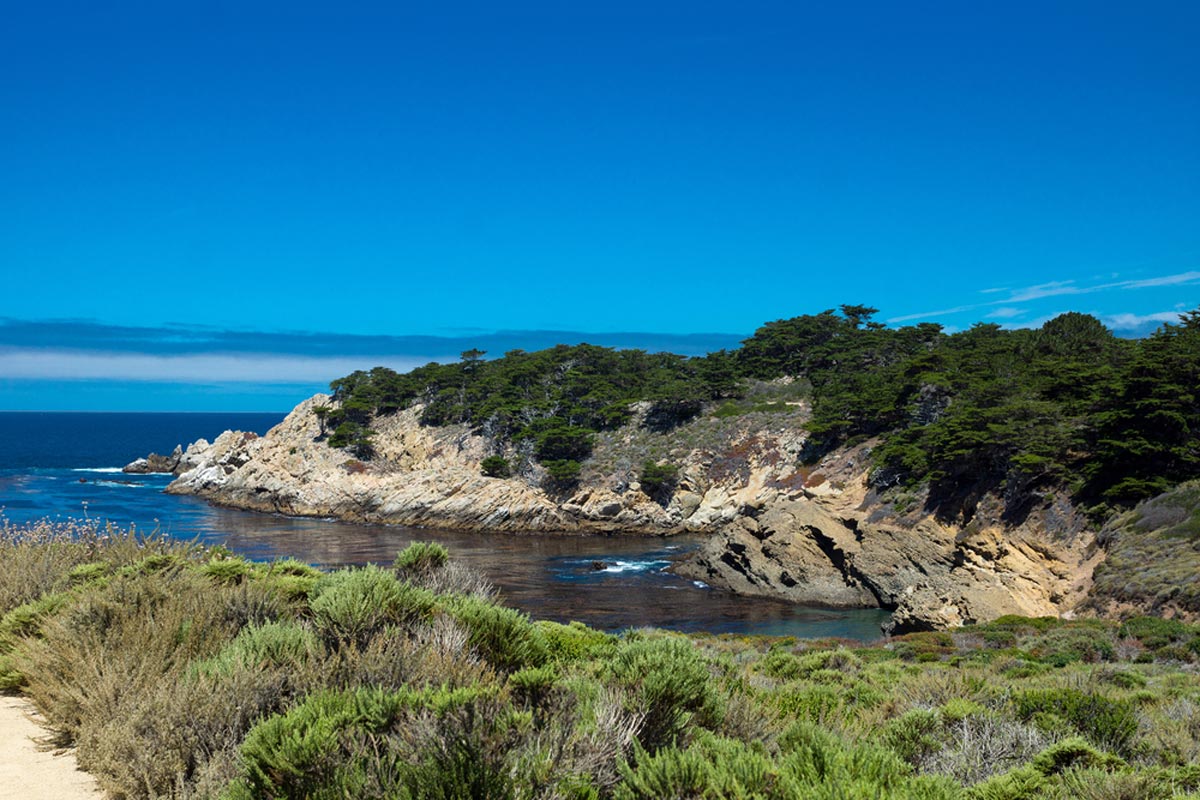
811,536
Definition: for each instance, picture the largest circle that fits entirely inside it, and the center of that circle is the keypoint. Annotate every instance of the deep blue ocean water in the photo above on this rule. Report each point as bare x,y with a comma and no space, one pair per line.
67,465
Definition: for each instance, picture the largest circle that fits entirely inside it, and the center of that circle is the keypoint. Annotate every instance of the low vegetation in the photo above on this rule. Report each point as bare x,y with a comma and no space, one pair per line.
186,672
1153,557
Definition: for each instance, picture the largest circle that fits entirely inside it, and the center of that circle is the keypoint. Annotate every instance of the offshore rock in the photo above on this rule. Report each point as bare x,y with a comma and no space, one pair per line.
156,463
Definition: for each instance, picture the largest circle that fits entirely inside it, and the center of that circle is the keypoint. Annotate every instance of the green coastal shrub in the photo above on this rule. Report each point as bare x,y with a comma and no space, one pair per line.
1022,783
1068,645
228,571
532,684
263,646
823,666
712,767
815,763
1106,722
92,572
669,683
495,467
25,619
562,474
780,664
575,641
360,743
1156,632
303,753
421,558
1071,754
504,637
351,606
658,479
288,578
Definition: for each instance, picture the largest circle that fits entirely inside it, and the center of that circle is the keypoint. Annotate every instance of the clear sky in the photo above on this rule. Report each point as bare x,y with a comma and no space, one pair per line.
225,204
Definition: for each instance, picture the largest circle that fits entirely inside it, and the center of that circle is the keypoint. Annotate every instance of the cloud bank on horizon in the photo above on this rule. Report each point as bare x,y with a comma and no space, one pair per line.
86,365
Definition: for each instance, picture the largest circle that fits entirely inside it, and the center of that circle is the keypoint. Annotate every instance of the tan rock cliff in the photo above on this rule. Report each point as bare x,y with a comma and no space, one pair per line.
809,536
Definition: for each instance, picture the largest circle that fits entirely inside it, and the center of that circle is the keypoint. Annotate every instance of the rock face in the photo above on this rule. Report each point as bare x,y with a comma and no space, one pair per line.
809,536
156,463
934,576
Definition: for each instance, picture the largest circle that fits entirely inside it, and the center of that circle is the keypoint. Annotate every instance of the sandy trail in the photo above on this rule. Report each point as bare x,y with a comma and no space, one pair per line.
29,772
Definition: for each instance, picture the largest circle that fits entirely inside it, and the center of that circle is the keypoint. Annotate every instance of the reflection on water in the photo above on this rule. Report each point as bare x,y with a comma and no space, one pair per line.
609,582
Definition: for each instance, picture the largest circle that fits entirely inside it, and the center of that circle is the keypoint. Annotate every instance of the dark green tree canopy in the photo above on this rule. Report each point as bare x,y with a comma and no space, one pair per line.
984,410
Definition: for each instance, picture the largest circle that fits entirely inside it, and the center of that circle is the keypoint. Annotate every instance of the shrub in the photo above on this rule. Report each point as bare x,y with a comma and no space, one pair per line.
713,767
369,742
1064,646
421,558
914,735
228,571
92,572
504,637
563,443
1023,783
496,467
669,683
575,641
533,683
1106,722
658,479
110,672
262,646
807,701
351,606
1156,632
925,646
1071,754
25,619
297,754
780,664
562,474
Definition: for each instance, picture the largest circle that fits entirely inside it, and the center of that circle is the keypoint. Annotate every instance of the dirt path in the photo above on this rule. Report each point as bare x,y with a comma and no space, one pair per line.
28,772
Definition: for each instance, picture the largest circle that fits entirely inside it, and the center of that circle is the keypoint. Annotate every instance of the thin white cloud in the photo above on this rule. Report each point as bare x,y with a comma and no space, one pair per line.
927,314
217,367
1058,288
1127,322
1167,280
1051,289
1006,312
996,290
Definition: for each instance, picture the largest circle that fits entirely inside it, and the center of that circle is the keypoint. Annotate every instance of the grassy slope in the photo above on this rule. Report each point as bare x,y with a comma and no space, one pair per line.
188,673
1153,560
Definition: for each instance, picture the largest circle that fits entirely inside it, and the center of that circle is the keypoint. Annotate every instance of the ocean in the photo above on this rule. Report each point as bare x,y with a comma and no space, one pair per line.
60,466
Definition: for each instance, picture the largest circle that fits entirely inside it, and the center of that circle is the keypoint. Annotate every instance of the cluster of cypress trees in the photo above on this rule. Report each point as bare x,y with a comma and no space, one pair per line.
983,410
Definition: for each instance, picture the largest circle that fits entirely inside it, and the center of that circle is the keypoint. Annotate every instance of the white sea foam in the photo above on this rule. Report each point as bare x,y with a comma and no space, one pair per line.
634,566
98,469
700,584
120,485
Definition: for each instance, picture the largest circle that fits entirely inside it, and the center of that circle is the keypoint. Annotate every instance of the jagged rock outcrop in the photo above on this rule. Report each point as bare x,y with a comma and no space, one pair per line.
156,463
420,476
934,576
809,536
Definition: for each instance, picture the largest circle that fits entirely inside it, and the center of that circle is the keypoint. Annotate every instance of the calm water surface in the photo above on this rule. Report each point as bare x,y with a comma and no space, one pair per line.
67,466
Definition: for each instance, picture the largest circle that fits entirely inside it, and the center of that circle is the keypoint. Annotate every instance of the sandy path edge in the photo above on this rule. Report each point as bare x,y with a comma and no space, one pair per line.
29,772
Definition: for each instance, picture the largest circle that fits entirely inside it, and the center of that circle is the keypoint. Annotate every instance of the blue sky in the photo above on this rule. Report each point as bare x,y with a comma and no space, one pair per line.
207,206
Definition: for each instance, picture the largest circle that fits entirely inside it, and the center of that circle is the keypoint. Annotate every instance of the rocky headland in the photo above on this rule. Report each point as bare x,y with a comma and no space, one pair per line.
817,534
